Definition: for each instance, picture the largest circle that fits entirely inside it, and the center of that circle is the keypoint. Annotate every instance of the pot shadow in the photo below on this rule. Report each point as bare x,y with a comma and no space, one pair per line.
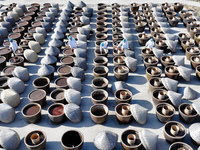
88,145
53,145
162,143
136,79
143,103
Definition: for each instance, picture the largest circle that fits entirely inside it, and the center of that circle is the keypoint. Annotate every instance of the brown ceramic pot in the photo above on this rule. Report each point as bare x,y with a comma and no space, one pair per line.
64,71
150,61
194,61
155,83
171,72
121,72
57,96
17,61
41,83
99,96
100,83
167,61
153,71
123,96
160,96
100,71
37,96
119,61
100,61
192,51
61,82
143,38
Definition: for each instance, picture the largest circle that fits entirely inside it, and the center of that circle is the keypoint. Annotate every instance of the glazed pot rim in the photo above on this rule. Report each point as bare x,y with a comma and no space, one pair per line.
182,113
52,105
153,57
34,100
172,73
153,78
47,79
150,67
101,58
29,134
27,106
165,104
58,70
195,49
122,104
105,108
56,90
193,56
81,137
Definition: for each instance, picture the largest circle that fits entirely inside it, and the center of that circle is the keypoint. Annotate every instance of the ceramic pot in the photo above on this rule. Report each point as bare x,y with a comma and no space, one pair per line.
2,62
150,61
101,5
64,71
7,71
101,24
32,112
152,22
187,113
153,72
123,96
161,44
24,44
183,37
197,38
101,30
28,15
61,82
143,38
180,145
57,96
19,52
137,13
171,72
138,18
100,61
178,6
56,113
121,72
173,20
99,96
101,18
100,83
155,84
17,61
198,72
67,60
159,36
125,140
192,51
192,24
134,7
37,96
98,53
36,24
170,14
123,118
118,52
101,13
117,36
167,61
164,112
155,30
147,52
171,127
194,61
140,26
72,140
3,83
23,24
19,30
15,36
97,43
68,52
117,31
193,31
28,37
160,96
116,25
101,36
42,83
187,19
119,61
100,71
99,113
6,52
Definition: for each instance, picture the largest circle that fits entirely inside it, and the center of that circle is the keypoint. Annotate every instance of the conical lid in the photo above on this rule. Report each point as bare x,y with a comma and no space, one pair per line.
139,113
81,37
189,93
74,83
78,73
118,85
80,62
129,53
73,96
82,44
7,113
22,73
79,52
45,70
73,112
68,8
85,20
128,36
60,29
131,63
10,97
58,35
54,51
196,106
171,37
48,59
62,23
81,4
194,130
149,139
30,55
170,84
64,16
172,45
16,84
175,98
55,43
70,4
106,140
185,72
157,52
179,60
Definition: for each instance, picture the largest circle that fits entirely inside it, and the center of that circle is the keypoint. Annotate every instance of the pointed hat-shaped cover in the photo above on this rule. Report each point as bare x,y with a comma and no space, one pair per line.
170,37
81,4
129,53
172,45
185,72
157,52
60,29
7,113
118,85
70,4
80,62
73,112
179,60
73,96
175,98
51,50
194,130
170,84
57,35
74,83
148,139
79,52
45,70
106,140
78,73
189,93
196,106
48,59
139,113
131,63
55,43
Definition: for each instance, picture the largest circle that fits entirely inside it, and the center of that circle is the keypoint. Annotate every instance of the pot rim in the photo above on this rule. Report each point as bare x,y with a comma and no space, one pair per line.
102,79
47,79
186,104
56,90
181,143
52,105
28,105
99,90
37,99
165,104
102,106
122,104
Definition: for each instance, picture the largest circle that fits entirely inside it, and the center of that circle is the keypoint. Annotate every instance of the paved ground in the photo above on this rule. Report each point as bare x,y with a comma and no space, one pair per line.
137,81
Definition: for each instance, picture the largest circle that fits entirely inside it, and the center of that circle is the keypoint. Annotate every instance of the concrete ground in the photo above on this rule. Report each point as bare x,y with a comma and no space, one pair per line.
137,82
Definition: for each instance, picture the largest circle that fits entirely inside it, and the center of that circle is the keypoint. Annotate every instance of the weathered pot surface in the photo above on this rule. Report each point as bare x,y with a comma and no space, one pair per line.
99,96
121,72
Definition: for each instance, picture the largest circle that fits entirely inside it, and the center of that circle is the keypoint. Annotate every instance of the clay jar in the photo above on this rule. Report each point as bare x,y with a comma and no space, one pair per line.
3,83
155,30
171,72
32,112
123,114
7,71
2,62
194,61
173,20
15,36
192,51
119,61
160,96
170,14
99,113
117,31
197,38
100,61
143,38
119,51
56,113
101,24
61,82
161,44
121,72
101,36
19,30
99,96
19,52
191,24
101,30
67,60
23,24
101,13
193,31
180,145
159,36
150,61
183,37
28,17
187,113
140,26
41,83
123,96
24,44
134,7
103,53
57,96
155,84
100,83
72,140
174,132
146,52
166,61
164,112
17,61
130,140
198,72
37,96
97,43
68,52
28,37
6,52
153,72
64,71
100,71
117,36
138,18
101,18
178,6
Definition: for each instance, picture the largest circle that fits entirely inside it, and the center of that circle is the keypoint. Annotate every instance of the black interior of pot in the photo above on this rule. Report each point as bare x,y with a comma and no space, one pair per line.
119,109
183,107
159,109
155,94
100,70
99,83
58,94
3,82
40,82
57,113
152,82
118,94
181,129
28,138
71,139
98,111
98,96
126,133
